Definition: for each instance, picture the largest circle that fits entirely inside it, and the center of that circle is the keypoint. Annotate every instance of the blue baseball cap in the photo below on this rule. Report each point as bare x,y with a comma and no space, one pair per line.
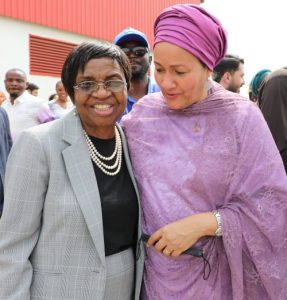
130,34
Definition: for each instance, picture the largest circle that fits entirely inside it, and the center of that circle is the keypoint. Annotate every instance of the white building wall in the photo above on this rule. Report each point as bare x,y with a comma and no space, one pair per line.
14,51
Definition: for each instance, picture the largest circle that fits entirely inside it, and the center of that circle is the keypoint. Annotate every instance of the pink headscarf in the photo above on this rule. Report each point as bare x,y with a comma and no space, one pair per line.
193,29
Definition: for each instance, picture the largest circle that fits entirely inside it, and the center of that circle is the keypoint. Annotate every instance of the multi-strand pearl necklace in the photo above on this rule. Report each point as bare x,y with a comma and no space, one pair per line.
100,160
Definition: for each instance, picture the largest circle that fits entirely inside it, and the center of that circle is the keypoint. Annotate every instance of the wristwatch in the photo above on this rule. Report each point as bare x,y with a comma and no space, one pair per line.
218,231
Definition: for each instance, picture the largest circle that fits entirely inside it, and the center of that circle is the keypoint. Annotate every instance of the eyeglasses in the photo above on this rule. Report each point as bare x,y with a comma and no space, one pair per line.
87,87
137,51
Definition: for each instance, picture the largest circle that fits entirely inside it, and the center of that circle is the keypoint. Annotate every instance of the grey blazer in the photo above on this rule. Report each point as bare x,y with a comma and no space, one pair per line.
51,231
5,145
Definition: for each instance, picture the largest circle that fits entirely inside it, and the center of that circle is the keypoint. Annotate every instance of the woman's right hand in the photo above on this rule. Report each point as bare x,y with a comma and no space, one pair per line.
176,237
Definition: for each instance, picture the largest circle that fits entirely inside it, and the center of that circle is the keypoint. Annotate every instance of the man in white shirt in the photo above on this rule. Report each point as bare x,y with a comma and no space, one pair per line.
23,109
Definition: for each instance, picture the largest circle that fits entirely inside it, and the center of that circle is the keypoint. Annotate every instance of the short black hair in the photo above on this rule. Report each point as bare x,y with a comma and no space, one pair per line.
78,58
52,97
32,87
230,63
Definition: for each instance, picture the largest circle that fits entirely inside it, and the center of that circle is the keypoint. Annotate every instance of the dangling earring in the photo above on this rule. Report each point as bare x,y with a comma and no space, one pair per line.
207,85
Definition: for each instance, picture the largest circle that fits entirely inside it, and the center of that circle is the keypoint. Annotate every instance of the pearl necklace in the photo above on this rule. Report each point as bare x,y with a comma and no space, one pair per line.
100,160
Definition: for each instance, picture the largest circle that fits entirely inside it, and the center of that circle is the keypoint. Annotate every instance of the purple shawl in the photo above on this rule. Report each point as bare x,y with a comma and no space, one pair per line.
216,154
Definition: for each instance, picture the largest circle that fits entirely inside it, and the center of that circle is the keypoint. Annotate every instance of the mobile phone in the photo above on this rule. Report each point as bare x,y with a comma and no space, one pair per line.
197,252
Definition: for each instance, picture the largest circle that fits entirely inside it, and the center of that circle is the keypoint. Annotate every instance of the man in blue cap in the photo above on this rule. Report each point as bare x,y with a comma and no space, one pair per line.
134,43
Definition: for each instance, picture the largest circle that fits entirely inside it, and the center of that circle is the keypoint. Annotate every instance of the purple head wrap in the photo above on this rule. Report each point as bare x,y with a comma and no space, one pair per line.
192,28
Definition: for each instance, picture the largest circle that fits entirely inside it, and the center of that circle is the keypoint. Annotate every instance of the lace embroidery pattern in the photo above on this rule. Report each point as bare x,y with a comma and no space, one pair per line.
230,163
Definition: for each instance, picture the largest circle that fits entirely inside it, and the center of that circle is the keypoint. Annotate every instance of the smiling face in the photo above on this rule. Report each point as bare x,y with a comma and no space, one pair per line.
180,75
61,92
100,109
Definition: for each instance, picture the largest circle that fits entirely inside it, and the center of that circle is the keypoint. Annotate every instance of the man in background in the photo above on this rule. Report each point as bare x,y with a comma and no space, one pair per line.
134,43
24,110
272,99
230,73
5,146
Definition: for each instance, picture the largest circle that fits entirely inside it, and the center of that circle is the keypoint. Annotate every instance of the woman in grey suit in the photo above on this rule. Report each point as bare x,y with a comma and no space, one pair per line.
71,220
5,146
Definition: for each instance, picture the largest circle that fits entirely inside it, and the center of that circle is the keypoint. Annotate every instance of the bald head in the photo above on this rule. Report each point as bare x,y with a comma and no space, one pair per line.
17,70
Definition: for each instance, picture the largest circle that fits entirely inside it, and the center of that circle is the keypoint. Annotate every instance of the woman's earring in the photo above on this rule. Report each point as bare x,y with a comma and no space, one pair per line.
207,85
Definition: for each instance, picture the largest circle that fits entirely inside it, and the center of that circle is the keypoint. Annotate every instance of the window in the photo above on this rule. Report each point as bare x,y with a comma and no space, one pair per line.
47,56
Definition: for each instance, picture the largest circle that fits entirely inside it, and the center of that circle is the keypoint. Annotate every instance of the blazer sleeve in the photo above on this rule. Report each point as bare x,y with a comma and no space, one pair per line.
5,145
25,188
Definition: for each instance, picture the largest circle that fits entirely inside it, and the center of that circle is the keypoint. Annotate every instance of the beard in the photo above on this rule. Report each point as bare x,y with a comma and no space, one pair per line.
14,95
233,87
140,73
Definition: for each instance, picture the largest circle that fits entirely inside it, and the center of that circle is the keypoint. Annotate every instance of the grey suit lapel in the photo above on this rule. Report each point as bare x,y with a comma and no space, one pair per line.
129,167
81,174
140,249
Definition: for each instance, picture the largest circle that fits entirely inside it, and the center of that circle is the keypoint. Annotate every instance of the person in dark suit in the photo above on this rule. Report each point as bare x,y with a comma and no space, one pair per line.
5,145
272,100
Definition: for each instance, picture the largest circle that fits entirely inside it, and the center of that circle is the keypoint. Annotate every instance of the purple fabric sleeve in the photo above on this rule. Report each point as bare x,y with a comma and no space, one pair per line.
45,115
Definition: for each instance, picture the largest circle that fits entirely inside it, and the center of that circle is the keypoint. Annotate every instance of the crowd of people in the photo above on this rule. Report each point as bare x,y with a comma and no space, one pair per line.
25,109
131,185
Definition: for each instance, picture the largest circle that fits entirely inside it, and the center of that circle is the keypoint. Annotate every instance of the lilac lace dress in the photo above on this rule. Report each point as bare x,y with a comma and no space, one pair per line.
216,154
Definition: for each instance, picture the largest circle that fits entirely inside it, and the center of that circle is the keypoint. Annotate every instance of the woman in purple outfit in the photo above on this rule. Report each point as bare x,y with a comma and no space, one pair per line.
209,174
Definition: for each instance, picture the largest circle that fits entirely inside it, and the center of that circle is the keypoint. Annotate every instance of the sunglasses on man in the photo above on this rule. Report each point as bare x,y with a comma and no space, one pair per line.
136,51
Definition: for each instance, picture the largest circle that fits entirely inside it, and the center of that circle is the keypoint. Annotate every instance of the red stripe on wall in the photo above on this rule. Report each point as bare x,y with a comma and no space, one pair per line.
94,18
